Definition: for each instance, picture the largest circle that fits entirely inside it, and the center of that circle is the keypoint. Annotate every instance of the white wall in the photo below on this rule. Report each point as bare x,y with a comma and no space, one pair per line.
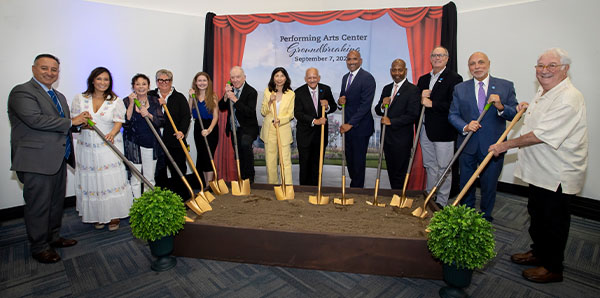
130,36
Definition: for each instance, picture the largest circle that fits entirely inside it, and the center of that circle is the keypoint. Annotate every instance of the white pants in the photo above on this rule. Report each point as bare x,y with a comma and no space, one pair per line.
436,157
147,168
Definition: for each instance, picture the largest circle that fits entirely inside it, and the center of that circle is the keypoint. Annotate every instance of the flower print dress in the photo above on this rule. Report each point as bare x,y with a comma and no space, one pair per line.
101,185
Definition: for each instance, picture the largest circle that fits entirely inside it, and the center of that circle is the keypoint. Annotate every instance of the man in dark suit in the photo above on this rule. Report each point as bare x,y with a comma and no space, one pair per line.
244,99
358,91
468,100
307,110
437,135
402,99
41,147
180,112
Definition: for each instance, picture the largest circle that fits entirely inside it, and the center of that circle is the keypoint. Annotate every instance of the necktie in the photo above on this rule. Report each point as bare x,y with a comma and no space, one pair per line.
394,93
62,114
481,98
237,95
349,81
314,98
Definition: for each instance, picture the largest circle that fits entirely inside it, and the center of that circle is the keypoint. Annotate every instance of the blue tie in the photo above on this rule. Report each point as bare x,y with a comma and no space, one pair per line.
62,114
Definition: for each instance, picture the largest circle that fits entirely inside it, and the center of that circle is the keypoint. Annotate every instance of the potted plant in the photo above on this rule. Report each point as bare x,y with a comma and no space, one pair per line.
156,217
462,240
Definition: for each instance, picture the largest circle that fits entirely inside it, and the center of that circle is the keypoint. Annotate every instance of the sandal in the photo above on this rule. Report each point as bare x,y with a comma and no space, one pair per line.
114,225
98,226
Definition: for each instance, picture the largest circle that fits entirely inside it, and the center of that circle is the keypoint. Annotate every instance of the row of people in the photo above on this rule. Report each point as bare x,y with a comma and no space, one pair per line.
554,142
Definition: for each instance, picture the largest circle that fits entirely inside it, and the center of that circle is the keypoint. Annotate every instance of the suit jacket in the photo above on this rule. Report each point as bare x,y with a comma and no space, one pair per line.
436,118
464,109
359,98
285,116
180,111
305,113
403,112
38,133
245,111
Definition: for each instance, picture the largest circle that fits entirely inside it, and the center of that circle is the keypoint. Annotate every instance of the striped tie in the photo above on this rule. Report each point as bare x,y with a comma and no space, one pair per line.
62,114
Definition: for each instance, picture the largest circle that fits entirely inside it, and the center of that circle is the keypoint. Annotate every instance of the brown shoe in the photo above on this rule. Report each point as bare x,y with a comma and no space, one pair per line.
48,256
62,242
542,275
114,224
525,259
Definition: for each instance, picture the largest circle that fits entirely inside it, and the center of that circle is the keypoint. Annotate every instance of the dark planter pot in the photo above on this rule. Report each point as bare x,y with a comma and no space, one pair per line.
162,248
457,279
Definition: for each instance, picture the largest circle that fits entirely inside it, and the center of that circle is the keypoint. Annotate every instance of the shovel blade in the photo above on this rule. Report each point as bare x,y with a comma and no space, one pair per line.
375,203
207,196
194,206
222,186
395,201
202,203
343,202
215,188
315,200
420,212
407,203
285,192
240,187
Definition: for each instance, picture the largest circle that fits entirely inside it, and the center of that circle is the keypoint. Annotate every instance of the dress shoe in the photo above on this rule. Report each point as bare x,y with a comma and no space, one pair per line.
48,256
114,225
525,259
62,242
542,275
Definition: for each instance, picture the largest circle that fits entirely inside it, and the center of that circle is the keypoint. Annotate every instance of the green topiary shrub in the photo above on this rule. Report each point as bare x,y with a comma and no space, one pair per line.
156,214
461,236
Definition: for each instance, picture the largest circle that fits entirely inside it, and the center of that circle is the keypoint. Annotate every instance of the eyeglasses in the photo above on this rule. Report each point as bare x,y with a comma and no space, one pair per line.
551,67
164,81
438,55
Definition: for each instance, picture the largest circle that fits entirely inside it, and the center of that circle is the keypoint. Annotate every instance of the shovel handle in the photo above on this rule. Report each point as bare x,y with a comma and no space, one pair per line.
120,154
487,159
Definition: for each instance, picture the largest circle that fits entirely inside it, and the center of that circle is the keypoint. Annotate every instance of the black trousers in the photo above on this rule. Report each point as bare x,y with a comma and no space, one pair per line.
44,202
356,158
246,153
549,227
175,184
396,158
308,158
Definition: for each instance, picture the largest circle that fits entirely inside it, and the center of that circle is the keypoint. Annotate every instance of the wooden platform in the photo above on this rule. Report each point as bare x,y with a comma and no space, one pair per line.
333,252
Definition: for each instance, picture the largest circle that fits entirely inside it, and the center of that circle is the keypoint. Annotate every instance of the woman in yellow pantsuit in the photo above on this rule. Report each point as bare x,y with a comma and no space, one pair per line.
280,92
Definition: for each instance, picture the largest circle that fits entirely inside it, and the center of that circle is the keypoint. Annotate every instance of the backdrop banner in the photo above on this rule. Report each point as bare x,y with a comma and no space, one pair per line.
299,40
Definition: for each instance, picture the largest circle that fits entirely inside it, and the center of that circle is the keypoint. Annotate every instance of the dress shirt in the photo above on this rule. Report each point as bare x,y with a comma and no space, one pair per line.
435,77
558,119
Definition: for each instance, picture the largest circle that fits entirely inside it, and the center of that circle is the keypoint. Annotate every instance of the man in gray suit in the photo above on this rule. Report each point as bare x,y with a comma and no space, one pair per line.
41,147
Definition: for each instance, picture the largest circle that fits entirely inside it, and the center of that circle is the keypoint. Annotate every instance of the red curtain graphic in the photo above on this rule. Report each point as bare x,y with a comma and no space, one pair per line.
423,30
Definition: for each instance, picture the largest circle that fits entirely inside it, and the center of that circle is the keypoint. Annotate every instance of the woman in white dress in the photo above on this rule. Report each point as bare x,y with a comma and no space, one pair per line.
101,185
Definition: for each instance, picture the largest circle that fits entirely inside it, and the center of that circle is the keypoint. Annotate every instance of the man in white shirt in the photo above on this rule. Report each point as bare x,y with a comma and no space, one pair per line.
552,158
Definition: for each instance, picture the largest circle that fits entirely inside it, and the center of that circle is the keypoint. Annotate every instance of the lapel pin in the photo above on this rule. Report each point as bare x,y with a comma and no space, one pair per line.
493,87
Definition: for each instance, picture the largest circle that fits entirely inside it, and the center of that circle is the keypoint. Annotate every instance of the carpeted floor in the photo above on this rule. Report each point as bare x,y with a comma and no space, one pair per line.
114,264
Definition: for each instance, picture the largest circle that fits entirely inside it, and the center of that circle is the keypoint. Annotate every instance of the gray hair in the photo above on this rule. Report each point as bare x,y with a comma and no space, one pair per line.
562,54
441,47
166,72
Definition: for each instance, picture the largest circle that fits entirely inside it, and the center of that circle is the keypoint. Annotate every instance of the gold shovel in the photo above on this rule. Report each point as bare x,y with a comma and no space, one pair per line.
422,211
283,192
320,200
487,159
343,200
191,203
218,186
375,203
239,187
207,195
202,202
403,201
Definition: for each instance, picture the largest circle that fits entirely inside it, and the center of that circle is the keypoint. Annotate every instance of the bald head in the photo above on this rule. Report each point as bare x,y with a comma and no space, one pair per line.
312,77
237,77
398,70
479,65
353,60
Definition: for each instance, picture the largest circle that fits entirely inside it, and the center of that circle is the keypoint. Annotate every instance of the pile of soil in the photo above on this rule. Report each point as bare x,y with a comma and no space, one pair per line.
261,210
